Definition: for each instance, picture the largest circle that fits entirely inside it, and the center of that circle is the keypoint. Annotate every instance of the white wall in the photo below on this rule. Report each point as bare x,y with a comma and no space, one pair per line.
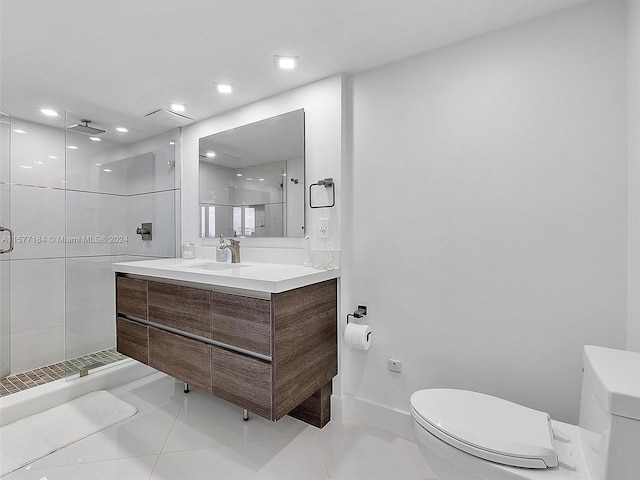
487,209
322,103
633,86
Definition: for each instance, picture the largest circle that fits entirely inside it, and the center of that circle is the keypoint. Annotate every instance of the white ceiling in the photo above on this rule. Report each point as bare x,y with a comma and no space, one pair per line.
117,60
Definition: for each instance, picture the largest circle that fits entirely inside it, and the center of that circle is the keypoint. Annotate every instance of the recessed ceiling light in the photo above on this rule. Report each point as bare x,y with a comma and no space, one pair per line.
261,179
172,143
95,139
238,174
211,154
98,164
72,147
122,129
249,178
224,87
49,112
106,170
25,166
17,130
53,157
178,107
286,63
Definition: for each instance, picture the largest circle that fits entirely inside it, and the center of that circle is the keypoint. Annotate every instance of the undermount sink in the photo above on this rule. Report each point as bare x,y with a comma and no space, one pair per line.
217,266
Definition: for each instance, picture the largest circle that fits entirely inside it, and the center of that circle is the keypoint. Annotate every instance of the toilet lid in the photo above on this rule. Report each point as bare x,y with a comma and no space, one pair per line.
487,427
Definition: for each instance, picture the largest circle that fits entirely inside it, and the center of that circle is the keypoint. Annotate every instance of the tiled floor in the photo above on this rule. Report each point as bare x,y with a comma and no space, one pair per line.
197,436
49,373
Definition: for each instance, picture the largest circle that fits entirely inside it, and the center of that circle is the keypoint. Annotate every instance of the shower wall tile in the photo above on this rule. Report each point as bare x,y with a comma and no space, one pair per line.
176,222
90,288
37,156
36,348
91,166
93,178
95,224
37,217
37,295
159,209
140,173
108,167
90,310
5,326
91,335
151,163
150,172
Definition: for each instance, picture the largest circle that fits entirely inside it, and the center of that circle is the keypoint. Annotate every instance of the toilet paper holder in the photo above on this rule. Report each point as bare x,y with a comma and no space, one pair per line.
358,335
359,313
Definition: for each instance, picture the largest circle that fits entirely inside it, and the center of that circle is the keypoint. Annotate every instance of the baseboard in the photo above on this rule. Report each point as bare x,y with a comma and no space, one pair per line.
388,419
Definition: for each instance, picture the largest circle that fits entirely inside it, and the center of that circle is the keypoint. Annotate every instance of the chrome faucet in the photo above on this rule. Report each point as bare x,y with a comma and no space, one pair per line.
234,248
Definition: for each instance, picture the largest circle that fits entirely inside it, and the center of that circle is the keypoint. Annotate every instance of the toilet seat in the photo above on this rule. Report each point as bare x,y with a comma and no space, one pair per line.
487,427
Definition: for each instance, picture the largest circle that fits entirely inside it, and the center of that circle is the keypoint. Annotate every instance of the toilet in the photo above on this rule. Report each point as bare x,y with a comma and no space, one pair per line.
470,435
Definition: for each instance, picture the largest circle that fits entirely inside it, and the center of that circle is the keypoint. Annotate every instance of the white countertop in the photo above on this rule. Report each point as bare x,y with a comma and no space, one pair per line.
262,277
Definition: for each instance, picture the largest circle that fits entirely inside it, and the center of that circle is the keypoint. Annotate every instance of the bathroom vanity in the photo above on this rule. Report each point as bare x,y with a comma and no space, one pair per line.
261,336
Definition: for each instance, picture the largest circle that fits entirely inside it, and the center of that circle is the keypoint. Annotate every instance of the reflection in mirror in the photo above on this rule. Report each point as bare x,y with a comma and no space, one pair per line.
252,179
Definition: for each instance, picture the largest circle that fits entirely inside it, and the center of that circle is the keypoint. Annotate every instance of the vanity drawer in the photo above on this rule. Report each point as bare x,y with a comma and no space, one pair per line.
131,297
183,358
132,339
183,308
243,322
243,380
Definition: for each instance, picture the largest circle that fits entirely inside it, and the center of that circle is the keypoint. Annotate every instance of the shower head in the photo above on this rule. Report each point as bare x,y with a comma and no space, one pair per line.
86,128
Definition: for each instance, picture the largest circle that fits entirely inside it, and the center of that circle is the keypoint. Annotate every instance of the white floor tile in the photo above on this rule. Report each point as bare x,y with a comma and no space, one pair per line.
363,452
138,468
292,457
207,421
197,436
149,394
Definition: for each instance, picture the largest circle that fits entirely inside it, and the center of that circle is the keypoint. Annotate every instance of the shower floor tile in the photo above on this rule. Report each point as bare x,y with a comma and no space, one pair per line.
49,373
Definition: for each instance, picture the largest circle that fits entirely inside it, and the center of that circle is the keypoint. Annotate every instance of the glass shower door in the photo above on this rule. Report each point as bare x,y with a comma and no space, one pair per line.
6,243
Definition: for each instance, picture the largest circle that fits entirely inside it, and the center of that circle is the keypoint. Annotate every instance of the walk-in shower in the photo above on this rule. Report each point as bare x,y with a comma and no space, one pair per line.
74,194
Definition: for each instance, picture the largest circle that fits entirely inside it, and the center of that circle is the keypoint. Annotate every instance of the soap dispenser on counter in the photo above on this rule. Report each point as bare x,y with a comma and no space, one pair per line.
189,250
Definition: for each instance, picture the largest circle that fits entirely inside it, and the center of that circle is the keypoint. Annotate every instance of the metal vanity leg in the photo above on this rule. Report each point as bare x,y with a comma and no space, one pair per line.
186,387
245,414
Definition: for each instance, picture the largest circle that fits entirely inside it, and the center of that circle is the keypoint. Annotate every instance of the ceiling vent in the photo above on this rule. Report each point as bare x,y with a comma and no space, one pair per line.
169,118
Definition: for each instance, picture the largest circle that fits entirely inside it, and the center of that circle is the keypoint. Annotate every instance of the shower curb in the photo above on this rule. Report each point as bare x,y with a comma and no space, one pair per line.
37,399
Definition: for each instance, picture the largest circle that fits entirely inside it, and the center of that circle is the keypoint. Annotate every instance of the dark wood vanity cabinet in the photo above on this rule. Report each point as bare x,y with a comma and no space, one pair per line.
273,356
181,357
181,308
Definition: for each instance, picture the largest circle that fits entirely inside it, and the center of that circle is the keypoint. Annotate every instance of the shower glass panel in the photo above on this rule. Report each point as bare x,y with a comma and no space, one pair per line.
5,241
32,196
115,181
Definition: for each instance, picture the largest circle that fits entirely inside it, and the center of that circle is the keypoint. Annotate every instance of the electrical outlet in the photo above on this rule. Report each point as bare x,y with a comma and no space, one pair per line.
395,365
324,228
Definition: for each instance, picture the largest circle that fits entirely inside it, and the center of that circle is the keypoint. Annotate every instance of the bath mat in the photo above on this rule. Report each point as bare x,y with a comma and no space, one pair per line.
29,439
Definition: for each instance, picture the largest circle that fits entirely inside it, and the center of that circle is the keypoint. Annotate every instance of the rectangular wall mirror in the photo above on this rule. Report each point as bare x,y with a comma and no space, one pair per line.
252,179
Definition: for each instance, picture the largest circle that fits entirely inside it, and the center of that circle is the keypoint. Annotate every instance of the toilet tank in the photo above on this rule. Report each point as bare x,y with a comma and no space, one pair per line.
609,423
